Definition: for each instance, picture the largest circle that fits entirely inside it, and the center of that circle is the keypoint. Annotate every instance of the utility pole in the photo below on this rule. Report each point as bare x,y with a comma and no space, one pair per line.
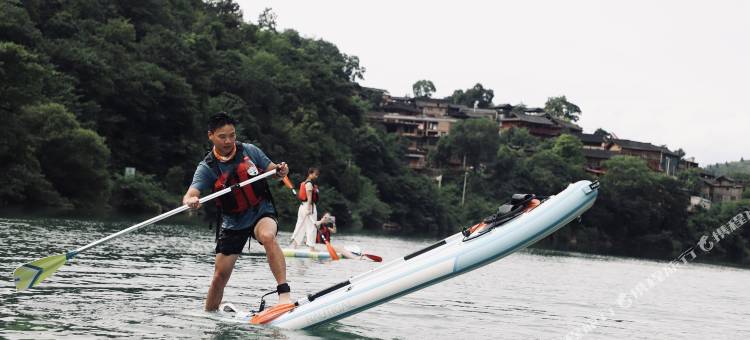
463,196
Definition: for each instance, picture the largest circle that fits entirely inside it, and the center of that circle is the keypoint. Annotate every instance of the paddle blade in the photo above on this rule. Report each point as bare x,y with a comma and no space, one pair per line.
332,251
374,257
30,274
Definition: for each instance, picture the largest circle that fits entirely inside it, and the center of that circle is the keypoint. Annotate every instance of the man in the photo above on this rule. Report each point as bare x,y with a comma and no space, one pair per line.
307,213
247,212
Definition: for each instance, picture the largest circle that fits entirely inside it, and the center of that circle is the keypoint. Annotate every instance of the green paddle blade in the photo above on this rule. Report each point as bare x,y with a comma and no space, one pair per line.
30,274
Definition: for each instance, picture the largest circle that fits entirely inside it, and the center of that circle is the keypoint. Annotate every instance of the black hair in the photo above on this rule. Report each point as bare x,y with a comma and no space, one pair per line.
310,170
218,120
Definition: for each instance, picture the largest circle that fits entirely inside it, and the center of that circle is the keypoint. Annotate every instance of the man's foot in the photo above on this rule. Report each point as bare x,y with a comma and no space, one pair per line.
284,298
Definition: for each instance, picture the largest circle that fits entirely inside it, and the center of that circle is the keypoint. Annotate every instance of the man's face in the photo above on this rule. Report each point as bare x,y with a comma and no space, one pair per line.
223,138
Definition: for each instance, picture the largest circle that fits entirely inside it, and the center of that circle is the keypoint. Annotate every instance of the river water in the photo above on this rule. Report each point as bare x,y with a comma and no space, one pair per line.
151,284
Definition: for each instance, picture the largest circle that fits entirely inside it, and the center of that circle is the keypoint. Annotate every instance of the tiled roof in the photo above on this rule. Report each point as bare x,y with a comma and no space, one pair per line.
716,183
590,138
533,119
566,124
534,110
504,107
633,145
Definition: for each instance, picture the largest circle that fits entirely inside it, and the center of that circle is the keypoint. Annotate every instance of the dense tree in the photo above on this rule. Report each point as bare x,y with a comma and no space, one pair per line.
640,212
267,19
475,139
476,95
560,107
423,88
26,79
73,159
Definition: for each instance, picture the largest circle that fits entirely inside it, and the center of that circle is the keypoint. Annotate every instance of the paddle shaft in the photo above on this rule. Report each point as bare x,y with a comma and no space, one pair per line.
174,211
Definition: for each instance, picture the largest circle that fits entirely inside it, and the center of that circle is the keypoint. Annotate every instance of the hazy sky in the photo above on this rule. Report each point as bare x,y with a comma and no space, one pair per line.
665,72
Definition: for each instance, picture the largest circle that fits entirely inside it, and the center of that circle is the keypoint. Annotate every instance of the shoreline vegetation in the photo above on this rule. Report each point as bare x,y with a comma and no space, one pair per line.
90,90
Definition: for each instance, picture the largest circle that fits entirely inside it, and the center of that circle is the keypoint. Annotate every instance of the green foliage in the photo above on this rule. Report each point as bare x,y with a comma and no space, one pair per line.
267,19
569,148
477,94
733,169
370,210
518,138
639,211
556,165
477,139
23,76
72,158
15,24
560,107
423,88
26,79
140,194
736,247
691,180
353,69
413,203
375,152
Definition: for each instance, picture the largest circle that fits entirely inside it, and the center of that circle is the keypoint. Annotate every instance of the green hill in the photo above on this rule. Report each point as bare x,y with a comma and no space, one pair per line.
738,169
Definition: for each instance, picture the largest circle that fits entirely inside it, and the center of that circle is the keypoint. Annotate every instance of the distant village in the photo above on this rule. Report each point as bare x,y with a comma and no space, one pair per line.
422,121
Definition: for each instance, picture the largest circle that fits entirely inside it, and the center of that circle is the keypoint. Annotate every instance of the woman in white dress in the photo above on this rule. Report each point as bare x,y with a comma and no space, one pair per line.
307,214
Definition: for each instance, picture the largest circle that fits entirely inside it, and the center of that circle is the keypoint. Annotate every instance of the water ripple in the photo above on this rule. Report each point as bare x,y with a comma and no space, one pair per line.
151,284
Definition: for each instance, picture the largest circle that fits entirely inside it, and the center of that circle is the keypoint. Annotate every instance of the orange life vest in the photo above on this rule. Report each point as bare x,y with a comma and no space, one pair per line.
324,230
240,199
302,194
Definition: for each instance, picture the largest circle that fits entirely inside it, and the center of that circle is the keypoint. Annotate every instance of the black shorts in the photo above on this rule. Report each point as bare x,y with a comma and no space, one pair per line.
232,241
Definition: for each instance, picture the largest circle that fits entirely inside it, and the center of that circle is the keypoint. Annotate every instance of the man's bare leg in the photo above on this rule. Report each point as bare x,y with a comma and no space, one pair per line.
265,232
222,271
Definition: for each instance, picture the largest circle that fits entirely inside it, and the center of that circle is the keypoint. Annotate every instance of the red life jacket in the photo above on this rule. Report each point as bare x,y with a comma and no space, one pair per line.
240,199
325,232
302,193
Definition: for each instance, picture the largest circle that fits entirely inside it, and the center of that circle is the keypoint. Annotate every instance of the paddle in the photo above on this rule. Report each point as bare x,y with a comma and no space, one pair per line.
354,250
30,274
373,257
289,185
